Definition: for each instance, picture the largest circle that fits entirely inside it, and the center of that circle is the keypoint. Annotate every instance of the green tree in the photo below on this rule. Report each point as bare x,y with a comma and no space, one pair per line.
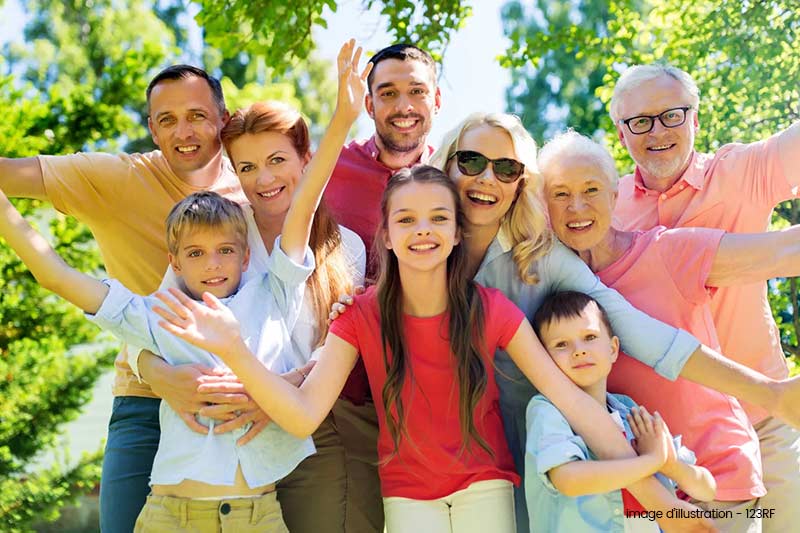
744,58
82,83
280,31
553,91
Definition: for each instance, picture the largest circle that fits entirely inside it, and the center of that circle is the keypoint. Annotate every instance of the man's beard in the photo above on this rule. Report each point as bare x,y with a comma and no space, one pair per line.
396,143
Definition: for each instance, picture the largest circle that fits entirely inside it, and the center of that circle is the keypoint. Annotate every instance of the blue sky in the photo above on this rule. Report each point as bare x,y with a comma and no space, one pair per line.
471,80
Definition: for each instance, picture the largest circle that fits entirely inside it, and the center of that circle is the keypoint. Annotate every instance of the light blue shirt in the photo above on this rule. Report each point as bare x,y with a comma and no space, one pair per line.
662,347
267,307
306,327
551,443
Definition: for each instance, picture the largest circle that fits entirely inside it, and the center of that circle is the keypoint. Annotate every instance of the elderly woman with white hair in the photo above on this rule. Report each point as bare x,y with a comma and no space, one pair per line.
493,161
670,274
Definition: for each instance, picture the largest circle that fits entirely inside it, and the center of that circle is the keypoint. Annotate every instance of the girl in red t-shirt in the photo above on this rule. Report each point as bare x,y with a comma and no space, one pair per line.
427,335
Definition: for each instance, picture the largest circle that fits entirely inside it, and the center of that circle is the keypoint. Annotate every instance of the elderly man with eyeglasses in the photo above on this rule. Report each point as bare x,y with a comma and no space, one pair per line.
655,109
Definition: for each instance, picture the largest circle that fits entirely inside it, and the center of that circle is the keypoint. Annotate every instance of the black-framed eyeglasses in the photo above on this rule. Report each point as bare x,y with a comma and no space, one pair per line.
671,118
473,163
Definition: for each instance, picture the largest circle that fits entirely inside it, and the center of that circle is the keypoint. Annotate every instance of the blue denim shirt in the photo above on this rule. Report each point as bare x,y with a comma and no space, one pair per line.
551,443
662,347
267,307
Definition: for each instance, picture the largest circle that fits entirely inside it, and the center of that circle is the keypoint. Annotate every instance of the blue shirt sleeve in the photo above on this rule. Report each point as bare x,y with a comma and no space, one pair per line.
127,316
287,281
658,345
551,441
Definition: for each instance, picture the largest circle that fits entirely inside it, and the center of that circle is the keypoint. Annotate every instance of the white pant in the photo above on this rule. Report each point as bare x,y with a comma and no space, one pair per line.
484,506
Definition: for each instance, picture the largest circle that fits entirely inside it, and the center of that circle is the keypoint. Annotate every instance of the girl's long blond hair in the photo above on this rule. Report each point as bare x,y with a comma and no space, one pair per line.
525,223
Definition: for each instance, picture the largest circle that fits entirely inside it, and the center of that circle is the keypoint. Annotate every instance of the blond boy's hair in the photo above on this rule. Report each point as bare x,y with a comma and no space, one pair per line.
204,209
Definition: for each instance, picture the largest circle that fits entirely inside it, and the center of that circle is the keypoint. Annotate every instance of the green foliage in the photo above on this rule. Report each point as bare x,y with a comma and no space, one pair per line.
280,32
553,91
84,70
38,498
743,55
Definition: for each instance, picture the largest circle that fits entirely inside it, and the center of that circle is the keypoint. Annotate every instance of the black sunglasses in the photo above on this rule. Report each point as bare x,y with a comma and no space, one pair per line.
473,163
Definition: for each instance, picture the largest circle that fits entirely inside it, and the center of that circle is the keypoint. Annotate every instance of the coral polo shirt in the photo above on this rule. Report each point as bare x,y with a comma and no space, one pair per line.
735,190
664,273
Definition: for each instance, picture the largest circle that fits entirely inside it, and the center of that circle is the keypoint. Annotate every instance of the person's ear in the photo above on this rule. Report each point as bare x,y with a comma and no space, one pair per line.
369,105
153,134
621,136
246,258
174,263
437,99
614,348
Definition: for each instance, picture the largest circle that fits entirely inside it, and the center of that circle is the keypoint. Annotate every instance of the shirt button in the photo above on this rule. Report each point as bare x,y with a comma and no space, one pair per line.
617,512
662,197
225,508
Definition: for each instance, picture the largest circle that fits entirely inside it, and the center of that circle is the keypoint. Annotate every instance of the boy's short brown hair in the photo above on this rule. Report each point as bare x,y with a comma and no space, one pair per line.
566,304
204,209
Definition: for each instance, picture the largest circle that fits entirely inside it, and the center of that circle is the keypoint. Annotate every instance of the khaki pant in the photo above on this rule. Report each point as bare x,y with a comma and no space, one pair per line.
337,490
483,507
162,514
780,457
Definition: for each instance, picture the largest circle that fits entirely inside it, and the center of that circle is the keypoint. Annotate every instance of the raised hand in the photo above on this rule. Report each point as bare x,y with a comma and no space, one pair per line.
352,85
211,327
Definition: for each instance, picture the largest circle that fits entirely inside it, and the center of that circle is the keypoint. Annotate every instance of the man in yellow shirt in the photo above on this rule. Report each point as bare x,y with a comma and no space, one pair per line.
124,199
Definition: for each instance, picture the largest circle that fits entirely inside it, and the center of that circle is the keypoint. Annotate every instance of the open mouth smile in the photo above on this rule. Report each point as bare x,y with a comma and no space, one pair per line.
272,192
481,198
660,147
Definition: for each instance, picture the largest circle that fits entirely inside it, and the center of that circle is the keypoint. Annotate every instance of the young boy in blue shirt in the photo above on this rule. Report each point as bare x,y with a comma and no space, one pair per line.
567,488
209,482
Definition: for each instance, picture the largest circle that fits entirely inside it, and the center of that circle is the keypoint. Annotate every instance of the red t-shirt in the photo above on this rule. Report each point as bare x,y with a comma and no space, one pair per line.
427,465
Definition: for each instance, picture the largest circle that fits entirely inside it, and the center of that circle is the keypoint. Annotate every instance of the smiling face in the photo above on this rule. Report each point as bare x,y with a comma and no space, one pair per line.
268,167
421,227
484,198
185,122
210,259
582,347
401,101
580,199
663,154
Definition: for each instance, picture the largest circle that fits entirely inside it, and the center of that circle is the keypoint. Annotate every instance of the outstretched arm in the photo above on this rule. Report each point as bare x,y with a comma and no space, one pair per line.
711,369
47,267
752,257
789,148
214,328
352,88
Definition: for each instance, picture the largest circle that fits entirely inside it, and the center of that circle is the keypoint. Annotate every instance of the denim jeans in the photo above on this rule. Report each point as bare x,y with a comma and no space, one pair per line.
133,434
